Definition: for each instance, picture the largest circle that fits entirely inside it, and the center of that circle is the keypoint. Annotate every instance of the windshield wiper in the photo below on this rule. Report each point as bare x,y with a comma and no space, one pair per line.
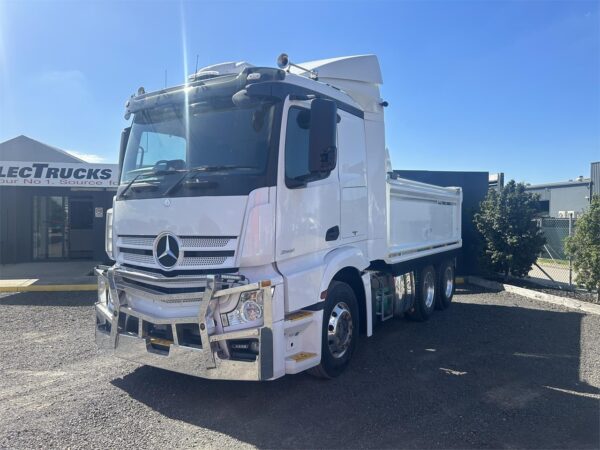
148,174
197,169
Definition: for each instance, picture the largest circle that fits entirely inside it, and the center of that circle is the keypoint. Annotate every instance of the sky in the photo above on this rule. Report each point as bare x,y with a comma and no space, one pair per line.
498,86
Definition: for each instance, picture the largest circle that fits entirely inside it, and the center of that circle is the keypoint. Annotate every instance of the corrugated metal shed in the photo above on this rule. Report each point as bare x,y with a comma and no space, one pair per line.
564,196
595,175
23,148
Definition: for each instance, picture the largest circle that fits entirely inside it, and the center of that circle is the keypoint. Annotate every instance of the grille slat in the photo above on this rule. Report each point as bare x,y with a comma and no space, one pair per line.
135,258
203,261
140,241
191,242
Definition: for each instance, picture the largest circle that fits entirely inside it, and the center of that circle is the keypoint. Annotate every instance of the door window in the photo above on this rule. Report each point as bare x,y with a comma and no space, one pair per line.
296,143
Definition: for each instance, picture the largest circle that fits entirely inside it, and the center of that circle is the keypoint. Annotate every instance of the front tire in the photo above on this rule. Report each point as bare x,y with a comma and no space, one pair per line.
339,331
425,294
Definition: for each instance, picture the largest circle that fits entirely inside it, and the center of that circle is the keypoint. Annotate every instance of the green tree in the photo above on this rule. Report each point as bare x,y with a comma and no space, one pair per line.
584,247
512,239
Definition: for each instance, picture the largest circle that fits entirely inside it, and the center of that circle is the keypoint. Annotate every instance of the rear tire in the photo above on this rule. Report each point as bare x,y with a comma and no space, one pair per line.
339,331
425,293
447,285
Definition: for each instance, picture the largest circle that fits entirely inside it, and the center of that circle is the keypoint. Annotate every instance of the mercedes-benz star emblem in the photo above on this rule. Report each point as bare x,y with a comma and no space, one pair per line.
166,250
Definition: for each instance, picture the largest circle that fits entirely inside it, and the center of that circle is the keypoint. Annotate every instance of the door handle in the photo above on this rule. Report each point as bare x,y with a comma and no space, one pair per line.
332,234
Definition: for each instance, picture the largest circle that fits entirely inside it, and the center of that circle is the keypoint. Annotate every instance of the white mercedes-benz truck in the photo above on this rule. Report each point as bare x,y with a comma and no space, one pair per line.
258,227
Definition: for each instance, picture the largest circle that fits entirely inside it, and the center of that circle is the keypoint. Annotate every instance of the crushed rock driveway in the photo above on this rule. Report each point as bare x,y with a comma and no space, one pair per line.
494,371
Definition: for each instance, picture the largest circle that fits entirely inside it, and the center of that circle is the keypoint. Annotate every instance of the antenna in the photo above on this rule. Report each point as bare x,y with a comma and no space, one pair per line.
196,71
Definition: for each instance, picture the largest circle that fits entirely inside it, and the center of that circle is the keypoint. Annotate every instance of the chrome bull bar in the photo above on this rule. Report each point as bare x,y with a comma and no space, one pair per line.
203,362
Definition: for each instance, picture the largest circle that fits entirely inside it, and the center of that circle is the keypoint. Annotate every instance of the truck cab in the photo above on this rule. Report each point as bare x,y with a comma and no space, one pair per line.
256,229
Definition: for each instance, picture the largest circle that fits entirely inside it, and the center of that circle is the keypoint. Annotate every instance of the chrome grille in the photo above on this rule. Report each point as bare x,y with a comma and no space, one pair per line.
188,242
138,250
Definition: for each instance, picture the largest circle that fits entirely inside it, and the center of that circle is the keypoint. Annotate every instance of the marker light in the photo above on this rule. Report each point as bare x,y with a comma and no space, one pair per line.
108,238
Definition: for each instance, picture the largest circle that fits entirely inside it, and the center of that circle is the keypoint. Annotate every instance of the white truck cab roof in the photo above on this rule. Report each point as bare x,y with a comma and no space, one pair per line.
358,76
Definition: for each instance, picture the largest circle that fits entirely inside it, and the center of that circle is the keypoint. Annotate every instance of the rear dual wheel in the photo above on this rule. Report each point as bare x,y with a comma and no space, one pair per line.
425,294
447,285
434,290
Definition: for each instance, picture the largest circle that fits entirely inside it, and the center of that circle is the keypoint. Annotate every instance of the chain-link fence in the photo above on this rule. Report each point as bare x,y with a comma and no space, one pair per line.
553,265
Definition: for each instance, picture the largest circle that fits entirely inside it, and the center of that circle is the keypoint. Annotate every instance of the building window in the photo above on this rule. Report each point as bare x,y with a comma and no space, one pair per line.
544,207
50,220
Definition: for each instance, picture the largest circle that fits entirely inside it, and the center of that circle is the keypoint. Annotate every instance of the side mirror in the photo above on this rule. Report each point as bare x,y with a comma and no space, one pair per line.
124,139
323,137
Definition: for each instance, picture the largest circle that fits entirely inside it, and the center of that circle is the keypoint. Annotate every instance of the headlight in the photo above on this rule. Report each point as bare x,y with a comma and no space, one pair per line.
108,238
249,309
102,290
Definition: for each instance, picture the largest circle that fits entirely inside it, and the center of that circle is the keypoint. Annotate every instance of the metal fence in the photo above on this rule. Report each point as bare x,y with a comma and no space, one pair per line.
553,265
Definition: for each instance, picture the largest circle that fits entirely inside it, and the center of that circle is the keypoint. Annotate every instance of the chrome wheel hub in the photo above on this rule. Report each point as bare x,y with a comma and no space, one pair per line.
448,282
339,330
429,285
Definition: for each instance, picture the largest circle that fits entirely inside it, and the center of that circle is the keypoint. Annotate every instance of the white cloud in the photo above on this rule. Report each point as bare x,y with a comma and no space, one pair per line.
87,157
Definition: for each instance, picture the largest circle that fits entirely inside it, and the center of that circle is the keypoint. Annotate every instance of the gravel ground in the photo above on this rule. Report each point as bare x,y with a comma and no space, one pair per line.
495,370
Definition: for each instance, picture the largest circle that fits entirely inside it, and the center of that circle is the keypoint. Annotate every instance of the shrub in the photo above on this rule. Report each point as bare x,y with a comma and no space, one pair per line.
584,248
512,239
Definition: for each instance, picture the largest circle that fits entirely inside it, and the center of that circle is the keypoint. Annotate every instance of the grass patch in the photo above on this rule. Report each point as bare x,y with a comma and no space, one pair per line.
553,262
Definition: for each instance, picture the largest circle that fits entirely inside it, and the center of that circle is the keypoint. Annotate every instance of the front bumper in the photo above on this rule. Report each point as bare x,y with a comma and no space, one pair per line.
205,360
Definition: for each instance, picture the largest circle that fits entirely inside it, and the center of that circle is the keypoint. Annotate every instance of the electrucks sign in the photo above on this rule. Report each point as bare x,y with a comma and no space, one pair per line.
19,173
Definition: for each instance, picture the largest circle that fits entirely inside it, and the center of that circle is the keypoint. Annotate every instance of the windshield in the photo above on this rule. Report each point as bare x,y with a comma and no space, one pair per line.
229,141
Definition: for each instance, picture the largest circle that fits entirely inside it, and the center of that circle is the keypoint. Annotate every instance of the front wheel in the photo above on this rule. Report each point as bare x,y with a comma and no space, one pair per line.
340,330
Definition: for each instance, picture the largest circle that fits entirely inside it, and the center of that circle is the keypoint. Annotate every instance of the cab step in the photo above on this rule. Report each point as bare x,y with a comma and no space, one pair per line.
298,321
302,330
300,361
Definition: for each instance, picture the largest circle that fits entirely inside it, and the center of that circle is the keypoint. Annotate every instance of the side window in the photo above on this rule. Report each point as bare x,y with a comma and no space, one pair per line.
296,143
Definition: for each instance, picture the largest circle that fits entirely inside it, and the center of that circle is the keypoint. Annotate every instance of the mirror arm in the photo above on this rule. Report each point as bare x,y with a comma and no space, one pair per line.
124,140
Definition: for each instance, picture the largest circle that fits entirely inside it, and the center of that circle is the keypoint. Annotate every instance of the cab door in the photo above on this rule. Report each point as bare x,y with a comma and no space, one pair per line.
352,162
308,216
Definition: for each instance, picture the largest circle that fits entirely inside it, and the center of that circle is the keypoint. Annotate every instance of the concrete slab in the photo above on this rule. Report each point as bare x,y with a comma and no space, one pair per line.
48,276
25,282
47,269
